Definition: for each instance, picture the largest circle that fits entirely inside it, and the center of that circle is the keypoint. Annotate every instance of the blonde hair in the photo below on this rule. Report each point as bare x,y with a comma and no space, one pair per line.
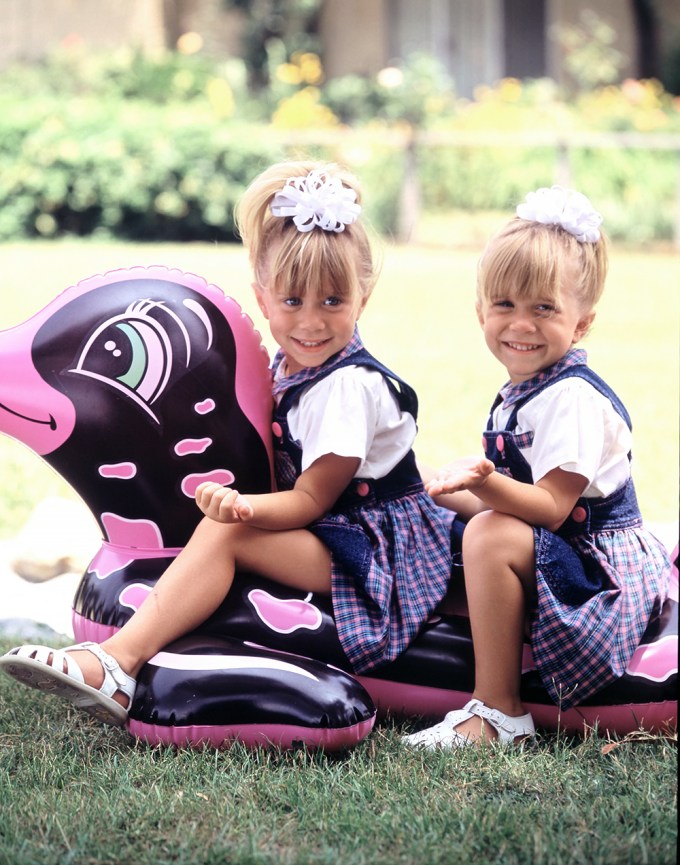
535,260
288,260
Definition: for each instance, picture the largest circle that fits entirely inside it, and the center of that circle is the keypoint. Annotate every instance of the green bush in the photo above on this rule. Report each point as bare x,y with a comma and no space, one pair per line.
144,148
131,170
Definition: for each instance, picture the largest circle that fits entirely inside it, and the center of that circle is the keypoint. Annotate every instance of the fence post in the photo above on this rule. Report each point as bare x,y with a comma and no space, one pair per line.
409,194
676,227
563,167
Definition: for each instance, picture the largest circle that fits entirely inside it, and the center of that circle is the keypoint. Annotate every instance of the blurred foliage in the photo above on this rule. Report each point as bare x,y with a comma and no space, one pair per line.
162,147
274,29
590,56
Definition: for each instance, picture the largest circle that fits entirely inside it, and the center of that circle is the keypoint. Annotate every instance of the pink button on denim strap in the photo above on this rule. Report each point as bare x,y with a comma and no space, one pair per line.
276,429
579,514
363,488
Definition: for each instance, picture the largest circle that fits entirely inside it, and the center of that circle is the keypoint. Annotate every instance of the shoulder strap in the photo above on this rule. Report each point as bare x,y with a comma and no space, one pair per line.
580,371
404,394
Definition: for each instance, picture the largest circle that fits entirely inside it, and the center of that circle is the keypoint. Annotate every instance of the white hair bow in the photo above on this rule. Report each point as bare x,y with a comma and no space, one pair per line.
317,200
564,207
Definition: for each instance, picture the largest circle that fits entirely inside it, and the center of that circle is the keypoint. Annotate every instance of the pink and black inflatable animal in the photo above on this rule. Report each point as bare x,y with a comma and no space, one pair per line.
136,386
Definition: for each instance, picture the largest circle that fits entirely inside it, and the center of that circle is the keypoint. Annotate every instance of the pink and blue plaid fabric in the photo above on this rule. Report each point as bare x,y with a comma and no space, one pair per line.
404,571
580,648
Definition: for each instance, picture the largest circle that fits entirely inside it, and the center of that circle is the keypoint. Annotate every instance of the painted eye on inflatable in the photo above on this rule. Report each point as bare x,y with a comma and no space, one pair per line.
133,353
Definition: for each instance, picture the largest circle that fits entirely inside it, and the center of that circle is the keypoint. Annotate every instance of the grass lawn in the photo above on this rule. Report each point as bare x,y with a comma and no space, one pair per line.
74,792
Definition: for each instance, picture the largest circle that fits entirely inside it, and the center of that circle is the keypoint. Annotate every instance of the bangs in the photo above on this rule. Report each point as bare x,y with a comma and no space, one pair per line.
526,264
316,261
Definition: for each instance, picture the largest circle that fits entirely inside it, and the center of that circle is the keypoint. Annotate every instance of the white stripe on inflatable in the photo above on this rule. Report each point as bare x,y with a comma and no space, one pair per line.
225,662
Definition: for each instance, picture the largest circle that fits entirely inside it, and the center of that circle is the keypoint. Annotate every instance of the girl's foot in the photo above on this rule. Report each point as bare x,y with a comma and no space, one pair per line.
474,724
84,674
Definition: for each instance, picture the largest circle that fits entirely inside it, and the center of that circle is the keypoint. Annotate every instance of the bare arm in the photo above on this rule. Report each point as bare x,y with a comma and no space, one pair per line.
314,494
547,503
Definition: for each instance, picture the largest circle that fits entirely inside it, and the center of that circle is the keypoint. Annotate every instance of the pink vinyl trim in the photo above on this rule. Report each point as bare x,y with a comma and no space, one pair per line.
252,735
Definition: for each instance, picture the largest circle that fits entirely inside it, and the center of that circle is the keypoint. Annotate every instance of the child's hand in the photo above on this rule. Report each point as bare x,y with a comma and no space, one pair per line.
223,504
469,474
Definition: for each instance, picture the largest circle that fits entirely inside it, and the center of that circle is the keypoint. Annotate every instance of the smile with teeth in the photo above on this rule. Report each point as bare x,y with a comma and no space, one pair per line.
520,346
308,343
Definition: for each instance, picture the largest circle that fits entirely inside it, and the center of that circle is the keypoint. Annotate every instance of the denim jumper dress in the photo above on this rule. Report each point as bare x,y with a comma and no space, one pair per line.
390,544
599,578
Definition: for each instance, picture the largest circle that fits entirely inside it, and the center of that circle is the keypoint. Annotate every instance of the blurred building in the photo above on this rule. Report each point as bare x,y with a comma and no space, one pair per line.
477,41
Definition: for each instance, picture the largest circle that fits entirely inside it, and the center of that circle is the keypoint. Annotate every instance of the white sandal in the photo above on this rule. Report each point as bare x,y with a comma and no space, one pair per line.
445,735
53,671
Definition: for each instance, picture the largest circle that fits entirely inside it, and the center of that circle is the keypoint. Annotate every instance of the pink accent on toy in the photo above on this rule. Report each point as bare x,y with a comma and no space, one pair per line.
205,406
137,534
655,661
134,595
192,446
121,471
285,615
110,559
219,476
32,411
252,735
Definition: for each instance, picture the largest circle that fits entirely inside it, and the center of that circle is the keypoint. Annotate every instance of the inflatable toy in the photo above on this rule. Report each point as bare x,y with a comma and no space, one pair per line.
138,384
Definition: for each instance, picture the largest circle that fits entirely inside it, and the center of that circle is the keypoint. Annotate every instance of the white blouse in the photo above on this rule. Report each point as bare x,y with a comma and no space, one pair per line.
352,413
578,430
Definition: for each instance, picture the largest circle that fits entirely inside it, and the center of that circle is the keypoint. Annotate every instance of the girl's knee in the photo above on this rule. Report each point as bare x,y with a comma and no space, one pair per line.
494,535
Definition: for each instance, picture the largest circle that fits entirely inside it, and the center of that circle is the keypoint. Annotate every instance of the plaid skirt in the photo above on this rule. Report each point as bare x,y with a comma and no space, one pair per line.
391,566
596,594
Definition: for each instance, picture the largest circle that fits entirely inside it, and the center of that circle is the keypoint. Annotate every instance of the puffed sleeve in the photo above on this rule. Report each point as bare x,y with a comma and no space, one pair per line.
339,415
576,429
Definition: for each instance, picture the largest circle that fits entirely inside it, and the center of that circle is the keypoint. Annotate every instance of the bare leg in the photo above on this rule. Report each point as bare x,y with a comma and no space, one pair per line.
498,552
199,579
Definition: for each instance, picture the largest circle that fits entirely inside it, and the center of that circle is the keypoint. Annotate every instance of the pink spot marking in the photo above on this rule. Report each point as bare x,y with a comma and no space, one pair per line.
192,446
285,615
134,595
656,661
500,443
579,514
485,446
110,559
363,489
276,429
205,406
123,471
107,561
143,534
218,476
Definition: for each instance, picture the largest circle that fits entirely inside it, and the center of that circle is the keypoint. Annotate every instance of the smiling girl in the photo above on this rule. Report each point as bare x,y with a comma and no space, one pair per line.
556,541
350,518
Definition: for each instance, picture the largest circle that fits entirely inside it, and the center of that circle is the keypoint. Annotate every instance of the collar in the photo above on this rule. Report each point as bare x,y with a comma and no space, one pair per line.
511,393
309,373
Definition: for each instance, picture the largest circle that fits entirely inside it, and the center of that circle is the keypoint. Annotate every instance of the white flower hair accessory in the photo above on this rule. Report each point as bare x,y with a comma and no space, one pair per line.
317,200
564,207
